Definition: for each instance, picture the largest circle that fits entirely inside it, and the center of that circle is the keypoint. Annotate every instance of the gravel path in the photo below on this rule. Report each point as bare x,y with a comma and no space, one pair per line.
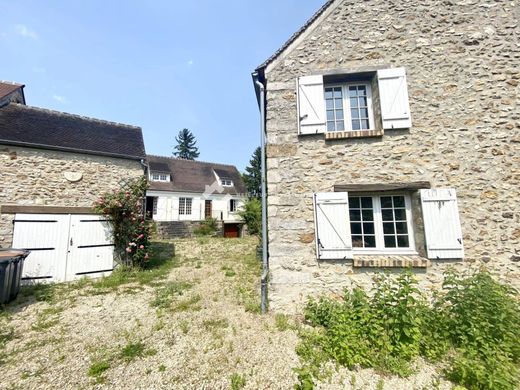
195,329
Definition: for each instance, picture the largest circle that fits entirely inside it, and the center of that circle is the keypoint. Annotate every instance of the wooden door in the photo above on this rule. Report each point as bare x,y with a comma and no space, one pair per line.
231,230
208,209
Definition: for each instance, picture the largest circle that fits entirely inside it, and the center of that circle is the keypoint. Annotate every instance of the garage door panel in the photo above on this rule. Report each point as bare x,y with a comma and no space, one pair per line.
90,230
91,261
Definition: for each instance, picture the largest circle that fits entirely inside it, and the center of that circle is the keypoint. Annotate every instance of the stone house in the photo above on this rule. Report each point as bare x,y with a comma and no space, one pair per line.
11,93
183,193
392,140
53,167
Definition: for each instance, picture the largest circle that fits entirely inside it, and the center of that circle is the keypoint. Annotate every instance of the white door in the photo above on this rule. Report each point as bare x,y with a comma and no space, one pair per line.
45,235
63,247
91,251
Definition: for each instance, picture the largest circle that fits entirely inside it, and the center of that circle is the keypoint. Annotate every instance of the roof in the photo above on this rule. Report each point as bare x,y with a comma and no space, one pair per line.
22,125
194,176
7,87
296,34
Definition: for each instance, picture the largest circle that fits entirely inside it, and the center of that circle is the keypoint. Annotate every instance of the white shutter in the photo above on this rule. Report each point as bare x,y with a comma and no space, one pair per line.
332,225
442,228
311,105
393,94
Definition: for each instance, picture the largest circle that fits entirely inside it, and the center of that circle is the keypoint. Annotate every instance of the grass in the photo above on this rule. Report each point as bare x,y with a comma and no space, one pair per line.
237,382
132,351
189,304
218,323
282,323
164,295
97,368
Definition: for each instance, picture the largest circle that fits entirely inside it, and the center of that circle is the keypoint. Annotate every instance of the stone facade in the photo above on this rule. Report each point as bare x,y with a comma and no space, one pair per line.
167,230
40,177
462,63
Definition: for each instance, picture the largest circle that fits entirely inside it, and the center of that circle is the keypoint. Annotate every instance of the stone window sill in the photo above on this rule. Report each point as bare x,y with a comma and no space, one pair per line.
330,135
390,261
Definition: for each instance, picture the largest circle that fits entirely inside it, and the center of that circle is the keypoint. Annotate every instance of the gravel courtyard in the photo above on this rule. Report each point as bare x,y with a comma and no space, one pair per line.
191,323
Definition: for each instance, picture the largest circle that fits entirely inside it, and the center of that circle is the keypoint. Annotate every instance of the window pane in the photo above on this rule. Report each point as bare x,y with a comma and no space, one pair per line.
398,201
386,202
355,227
353,102
330,126
370,241
339,114
354,113
355,215
353,202
340,125
328,93
364,124
355,125
339,103
400,214
352,91
368,228
402,242
366,202
362,90
368,215
401,228
330,104
388,215
362,101
330,115
357,241
388,228
337,93
364,112
389,241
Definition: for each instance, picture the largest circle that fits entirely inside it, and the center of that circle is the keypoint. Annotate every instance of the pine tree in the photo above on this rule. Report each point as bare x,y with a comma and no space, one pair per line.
253,175
186,148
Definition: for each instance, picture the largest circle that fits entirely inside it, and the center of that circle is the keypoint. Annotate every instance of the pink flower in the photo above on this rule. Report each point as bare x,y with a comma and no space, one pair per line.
141,246
129,250
146,256
140,236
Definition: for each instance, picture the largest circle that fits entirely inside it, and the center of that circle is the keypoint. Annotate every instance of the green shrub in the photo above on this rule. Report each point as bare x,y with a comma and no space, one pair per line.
252,215
237,382
208,227
473,321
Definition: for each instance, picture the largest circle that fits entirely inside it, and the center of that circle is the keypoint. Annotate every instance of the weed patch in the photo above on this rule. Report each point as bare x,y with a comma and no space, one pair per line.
237,382
189,304
164,295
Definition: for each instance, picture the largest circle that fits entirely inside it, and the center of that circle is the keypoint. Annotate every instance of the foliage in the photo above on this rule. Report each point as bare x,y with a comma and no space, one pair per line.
253,175
185,147
473,323
237,382
208,227
251,213
131,230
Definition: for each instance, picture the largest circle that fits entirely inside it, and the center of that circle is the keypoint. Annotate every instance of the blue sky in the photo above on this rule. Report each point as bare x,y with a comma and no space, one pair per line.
161,65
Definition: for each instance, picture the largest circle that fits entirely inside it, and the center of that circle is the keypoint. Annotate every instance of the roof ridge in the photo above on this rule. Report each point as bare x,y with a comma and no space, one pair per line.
87,118
192,161
11,83
300,31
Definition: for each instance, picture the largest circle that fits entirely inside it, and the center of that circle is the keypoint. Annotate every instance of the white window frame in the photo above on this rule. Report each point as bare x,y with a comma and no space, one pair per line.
347,116
154,205
233,205
159,176
185,205
378,226
226,182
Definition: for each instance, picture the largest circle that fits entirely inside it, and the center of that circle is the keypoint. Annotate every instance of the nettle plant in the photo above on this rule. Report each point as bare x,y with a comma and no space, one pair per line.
131,230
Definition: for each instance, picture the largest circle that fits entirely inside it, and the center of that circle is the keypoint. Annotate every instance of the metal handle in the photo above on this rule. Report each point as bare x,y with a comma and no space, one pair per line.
71,241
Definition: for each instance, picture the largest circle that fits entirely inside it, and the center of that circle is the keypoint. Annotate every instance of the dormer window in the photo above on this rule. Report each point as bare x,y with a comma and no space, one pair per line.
160,176
226,183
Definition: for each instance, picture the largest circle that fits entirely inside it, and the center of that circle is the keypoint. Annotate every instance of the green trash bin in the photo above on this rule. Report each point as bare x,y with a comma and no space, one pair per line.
11,267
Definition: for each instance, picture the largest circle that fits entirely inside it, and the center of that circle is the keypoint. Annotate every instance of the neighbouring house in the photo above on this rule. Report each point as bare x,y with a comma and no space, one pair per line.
53,167
183,193
392,140
11,93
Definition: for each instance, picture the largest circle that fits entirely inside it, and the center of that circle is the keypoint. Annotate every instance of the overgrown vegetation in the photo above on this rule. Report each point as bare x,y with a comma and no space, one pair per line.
131,230
251,213
472,324
208,227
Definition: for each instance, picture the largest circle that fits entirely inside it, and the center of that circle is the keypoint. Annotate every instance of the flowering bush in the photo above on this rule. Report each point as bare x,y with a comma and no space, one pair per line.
131,229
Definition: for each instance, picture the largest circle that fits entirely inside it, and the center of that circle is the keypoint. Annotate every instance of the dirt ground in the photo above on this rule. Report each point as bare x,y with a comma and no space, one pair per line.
192,323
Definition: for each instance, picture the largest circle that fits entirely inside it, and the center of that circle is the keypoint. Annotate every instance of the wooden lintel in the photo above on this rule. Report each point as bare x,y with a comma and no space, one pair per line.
32,209
379,187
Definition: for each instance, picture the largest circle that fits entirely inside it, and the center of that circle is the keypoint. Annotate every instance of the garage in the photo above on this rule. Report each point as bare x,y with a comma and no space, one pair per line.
231,230
64,247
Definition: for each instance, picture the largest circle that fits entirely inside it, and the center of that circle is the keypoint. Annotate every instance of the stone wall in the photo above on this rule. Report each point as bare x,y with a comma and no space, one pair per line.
167,230
462,62
38,177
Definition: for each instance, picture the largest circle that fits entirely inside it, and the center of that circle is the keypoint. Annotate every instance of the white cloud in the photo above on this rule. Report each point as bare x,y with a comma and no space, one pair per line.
24,31
60,99
190,62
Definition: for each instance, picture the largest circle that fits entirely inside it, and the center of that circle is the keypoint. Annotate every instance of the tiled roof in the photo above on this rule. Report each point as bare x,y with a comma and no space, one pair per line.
297,34
194,176
7,87
37,127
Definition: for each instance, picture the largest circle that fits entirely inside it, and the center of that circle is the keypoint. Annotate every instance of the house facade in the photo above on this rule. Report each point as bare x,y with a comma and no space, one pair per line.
182,193
392,140
53,167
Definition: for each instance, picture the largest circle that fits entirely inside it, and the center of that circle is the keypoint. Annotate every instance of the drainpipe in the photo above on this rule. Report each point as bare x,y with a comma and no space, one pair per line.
265,264
146,172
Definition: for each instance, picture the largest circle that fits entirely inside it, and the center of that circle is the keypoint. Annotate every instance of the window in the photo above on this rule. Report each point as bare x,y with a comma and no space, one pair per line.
185,206
154,206
232,205
159,176
381,222
226,182
349,107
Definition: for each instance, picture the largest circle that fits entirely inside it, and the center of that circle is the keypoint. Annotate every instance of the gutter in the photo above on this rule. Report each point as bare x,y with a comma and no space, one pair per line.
260,92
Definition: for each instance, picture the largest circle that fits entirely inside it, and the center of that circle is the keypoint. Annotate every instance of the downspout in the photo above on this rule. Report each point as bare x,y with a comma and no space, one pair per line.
265,264
146,172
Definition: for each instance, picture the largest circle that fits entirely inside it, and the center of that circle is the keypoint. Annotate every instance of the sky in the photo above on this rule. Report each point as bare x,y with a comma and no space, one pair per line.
161,65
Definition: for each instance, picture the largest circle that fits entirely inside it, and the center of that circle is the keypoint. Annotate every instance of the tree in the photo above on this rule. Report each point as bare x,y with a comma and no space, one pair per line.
253,175
252,214
186,148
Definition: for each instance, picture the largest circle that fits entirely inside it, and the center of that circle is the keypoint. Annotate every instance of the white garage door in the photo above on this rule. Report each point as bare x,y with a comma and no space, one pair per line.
64,247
